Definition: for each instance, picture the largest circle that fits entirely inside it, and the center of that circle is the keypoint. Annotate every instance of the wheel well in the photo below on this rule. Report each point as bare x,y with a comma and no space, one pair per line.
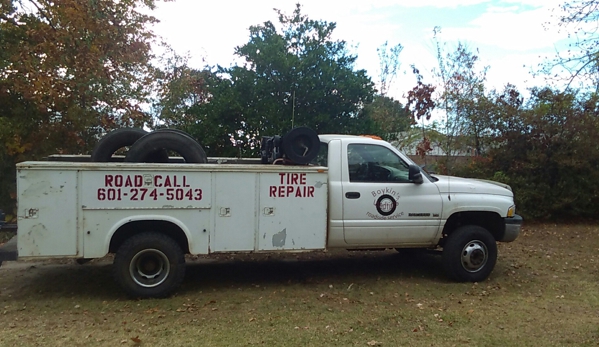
488,220
133,228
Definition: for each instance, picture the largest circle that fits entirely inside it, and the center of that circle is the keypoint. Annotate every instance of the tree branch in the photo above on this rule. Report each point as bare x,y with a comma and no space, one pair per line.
43,14
8,19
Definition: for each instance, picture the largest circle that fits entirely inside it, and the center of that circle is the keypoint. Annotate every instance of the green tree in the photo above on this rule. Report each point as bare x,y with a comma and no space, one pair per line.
293,74
462,97
179,88
387,117
389,65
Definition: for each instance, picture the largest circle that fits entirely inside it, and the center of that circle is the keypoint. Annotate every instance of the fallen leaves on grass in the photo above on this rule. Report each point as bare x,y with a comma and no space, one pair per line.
417,329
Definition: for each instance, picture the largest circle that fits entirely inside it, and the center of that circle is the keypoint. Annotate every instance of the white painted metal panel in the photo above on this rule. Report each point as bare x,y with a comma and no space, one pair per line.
413,217
388,213
112,197
293,211
235,214
47,213
115,189
100,225
93,200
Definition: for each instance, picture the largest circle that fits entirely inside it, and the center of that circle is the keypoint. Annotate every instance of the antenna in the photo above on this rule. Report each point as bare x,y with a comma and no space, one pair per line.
293,110
447,156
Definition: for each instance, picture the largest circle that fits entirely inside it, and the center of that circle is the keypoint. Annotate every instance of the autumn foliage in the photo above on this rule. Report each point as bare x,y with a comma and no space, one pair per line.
69,70
546,148
72,69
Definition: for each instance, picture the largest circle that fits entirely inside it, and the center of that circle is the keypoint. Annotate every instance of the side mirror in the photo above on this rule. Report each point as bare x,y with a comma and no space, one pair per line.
414,174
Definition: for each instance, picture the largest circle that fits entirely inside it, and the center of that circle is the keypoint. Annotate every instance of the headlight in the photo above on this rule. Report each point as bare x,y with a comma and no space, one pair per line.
511,211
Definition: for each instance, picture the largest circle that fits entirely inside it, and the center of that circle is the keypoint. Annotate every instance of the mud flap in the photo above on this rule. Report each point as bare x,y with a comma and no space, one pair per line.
8,251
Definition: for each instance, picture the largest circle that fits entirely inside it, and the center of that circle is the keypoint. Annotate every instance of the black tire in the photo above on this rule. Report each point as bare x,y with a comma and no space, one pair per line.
118,139
115,140
166,139
173,130
301,145
470,254
149,265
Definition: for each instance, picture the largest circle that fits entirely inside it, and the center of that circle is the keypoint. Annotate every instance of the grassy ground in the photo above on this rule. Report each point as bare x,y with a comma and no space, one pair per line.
543,292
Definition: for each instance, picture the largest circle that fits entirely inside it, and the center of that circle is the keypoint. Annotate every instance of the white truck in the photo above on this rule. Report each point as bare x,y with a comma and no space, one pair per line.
358,193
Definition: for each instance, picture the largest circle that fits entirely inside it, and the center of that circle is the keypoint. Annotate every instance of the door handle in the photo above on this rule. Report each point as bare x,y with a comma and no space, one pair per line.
352,195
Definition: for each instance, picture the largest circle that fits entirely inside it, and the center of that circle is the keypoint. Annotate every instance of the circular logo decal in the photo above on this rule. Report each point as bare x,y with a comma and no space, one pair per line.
386,205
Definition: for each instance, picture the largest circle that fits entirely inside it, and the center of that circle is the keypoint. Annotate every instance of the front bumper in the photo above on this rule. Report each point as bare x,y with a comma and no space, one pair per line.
512,228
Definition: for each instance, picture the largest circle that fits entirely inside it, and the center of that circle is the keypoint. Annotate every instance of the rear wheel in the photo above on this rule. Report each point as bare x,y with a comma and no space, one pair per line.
149,265
470,254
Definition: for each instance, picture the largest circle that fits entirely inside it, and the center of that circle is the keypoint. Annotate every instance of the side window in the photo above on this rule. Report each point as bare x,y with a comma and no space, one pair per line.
322,156
373,163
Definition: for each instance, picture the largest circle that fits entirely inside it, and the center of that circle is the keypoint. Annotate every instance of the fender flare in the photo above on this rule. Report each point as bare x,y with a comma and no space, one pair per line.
141,218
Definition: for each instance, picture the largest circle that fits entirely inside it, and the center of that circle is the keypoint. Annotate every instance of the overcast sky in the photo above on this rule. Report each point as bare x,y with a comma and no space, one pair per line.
510,35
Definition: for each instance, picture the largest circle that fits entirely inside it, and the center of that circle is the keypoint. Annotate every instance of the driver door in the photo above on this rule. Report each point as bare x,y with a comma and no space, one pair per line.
381,206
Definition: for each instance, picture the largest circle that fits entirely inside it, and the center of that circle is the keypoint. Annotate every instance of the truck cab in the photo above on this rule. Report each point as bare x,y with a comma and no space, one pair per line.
378,197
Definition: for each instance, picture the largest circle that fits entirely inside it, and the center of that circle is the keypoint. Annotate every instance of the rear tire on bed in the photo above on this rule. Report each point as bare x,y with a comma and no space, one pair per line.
176,141
470,254
300,145
119,138
149,265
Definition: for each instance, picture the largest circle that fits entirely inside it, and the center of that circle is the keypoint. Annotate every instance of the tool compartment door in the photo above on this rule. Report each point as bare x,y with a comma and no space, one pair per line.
235,196
293,211
47,213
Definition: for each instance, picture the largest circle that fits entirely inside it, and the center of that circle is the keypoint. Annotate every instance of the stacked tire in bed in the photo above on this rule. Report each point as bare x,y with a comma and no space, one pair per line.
299,146
150,147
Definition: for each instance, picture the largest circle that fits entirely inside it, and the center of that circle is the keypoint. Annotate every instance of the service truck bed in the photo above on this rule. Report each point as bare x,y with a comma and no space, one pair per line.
74,209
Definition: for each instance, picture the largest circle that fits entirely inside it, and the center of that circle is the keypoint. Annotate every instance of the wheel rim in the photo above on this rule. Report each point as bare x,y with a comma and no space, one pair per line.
149,268
474,256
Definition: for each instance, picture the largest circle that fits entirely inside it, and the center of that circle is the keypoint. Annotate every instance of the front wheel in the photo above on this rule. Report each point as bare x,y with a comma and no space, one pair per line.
149,265
470,254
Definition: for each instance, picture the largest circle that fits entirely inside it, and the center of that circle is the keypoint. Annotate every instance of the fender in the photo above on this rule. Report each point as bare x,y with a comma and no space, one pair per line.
462,202
141,218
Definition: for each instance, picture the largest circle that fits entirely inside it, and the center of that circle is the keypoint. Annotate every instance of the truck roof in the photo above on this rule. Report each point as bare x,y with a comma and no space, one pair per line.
329,137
